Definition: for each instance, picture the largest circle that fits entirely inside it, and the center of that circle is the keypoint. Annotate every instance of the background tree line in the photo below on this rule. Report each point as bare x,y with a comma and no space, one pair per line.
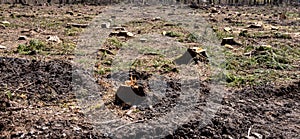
106,2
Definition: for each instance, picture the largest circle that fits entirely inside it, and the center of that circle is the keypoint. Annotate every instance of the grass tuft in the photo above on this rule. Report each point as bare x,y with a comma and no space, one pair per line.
173,34
34,46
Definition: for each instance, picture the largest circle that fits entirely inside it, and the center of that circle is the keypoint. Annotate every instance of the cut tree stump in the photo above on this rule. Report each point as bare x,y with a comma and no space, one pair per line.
22,38
2,47
255,26
274,28
192,54
121,33
105,25
128,95
77,25
230,41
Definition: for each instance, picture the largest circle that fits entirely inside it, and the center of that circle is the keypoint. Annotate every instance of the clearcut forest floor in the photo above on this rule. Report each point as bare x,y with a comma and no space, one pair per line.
263,75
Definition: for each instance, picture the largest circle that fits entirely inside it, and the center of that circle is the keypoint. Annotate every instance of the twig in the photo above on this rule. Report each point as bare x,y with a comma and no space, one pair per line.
106,122
249,131
15,108
128,124
21,87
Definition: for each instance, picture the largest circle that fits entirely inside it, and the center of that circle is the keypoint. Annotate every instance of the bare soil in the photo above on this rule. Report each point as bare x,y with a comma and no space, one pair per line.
37,99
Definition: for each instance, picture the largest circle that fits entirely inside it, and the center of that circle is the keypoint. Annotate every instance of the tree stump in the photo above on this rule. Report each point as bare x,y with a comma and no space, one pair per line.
230,41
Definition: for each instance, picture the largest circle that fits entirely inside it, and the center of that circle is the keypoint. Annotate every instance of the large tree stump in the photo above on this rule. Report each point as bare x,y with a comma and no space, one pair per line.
129,96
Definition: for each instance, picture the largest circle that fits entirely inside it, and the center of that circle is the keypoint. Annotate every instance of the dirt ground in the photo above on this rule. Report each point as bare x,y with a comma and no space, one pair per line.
37,98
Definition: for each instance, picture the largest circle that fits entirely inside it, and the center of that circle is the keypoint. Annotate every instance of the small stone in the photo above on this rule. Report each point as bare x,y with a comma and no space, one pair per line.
143,40
53,39
129,34
227,29
105,25
157,18
2,47
22,38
